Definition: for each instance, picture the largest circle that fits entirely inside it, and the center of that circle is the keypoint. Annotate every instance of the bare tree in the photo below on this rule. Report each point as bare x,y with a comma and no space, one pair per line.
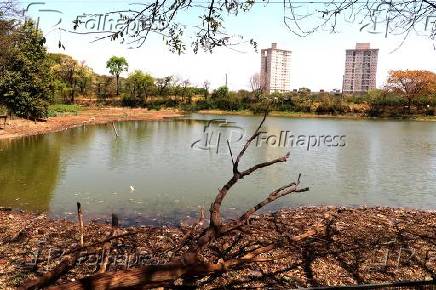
301,18
206,86
163,84
194,262
186,91
257,84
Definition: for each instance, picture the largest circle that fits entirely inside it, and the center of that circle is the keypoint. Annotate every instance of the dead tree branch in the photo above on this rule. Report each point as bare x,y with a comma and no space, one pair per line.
192,264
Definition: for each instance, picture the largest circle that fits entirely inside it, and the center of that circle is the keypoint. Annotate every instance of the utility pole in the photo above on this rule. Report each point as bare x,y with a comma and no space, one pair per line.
226,80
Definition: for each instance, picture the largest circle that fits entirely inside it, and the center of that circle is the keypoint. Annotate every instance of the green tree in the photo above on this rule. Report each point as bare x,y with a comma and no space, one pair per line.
104,86
25,77
116,65
65,70
139,84
85,77
220,93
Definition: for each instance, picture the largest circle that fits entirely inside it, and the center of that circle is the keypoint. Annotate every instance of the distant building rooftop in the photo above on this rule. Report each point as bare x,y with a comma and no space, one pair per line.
363,46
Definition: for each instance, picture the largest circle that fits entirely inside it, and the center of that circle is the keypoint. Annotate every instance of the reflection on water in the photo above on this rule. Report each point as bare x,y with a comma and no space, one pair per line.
387,163
26,179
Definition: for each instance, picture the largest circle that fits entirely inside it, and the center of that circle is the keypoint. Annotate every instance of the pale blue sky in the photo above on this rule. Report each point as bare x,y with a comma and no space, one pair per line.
317,60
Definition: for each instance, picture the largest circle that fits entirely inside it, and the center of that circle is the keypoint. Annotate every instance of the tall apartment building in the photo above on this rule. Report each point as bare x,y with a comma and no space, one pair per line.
360,69
275,71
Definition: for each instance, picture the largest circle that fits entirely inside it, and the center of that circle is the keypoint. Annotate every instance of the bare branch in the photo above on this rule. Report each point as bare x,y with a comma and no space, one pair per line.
190,264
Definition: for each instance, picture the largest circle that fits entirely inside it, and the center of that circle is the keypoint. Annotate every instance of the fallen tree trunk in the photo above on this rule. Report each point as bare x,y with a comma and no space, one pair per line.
157,275
147,277
50,277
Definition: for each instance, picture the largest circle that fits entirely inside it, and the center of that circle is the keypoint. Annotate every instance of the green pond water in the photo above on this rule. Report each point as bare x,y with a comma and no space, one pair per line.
161,172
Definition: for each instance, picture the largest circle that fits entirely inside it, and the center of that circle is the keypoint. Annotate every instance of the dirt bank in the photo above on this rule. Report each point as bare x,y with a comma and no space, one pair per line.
356,246
20,127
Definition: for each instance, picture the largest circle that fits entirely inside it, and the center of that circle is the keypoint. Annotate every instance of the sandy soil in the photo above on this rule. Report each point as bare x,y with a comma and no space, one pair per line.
20,127
356,246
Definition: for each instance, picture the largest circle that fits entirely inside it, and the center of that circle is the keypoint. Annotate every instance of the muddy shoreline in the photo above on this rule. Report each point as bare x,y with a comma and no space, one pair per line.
88,116
357,246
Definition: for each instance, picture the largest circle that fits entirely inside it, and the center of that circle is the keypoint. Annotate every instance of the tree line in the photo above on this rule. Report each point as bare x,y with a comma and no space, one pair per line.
31,78
75,79
404,93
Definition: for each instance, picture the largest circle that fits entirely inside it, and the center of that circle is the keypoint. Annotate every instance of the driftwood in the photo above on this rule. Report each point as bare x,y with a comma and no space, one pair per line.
191,264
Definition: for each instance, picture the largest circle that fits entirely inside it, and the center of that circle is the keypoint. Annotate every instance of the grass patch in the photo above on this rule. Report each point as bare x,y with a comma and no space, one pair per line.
61,109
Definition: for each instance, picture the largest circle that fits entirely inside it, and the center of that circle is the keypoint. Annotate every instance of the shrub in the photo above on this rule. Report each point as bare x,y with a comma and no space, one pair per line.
260,106
430,111
227,104
220,93
132,102
332,108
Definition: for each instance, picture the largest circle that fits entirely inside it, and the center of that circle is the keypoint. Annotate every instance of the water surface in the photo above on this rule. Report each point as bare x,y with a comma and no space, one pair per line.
383,163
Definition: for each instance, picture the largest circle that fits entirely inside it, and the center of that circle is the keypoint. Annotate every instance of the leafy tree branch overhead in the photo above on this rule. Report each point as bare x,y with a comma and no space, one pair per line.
301,18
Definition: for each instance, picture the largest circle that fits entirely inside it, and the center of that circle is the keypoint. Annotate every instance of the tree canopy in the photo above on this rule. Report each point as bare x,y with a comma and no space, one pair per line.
139,84
25,78
412,84
116,65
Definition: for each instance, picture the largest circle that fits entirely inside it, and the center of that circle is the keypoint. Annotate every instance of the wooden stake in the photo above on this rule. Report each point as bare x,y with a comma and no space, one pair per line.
115,129
114,220
80,217
107,245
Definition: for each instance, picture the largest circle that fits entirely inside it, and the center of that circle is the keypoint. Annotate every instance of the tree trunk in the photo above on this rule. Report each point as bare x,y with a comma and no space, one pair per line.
118,78
72,95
